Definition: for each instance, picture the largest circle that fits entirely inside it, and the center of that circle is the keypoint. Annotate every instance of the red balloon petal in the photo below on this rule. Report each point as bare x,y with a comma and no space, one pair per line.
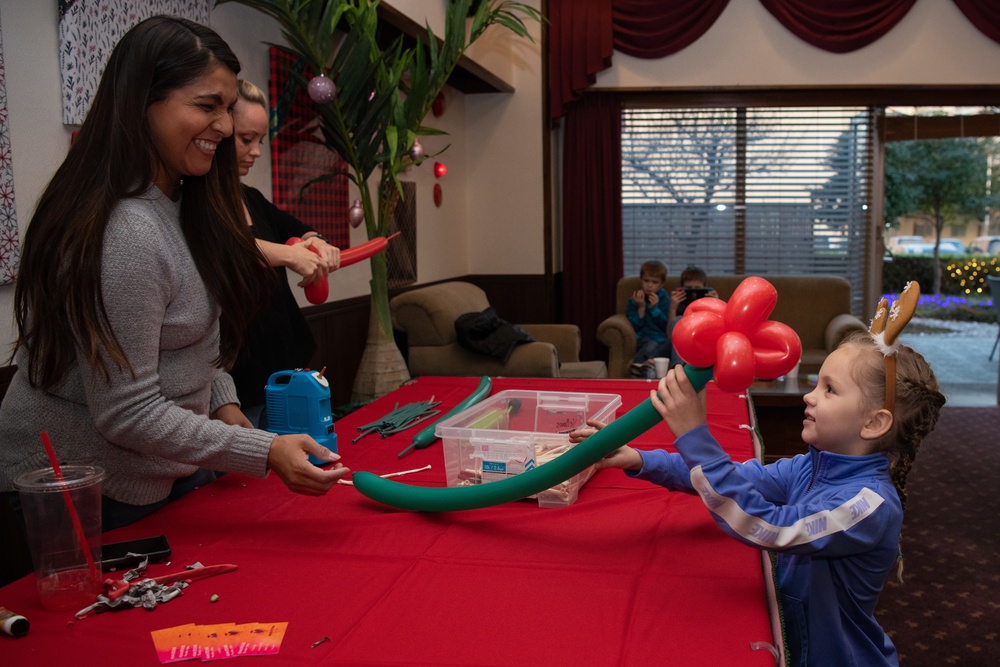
734,363
695,335
776,349
751,303
708,303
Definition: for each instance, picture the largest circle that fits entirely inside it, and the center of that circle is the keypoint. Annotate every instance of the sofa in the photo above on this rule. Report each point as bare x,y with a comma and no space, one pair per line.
427,315
817,308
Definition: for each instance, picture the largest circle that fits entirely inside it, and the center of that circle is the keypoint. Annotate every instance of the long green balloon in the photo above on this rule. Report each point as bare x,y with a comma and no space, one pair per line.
632,424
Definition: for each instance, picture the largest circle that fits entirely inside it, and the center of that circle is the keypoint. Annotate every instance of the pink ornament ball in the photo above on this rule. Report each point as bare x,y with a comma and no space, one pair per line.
356,214
417,150
322,89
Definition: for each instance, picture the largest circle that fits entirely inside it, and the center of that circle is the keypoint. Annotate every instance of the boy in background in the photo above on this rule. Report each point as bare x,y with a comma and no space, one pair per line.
648,312
694,286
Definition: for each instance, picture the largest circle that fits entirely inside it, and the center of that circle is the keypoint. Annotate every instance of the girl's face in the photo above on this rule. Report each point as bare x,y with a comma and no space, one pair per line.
835,413
251,131
188,125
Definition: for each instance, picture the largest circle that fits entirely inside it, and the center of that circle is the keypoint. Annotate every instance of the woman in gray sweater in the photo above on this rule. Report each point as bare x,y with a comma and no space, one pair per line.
138,276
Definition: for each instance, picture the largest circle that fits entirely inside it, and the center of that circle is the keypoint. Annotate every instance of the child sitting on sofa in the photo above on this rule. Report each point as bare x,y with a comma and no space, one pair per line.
694,286
648,312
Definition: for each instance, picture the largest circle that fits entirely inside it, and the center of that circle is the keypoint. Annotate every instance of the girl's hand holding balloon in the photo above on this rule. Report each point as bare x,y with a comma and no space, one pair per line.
624,458
677,401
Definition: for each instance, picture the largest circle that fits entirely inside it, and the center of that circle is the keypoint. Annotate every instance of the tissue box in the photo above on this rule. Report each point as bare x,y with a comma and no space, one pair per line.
517,430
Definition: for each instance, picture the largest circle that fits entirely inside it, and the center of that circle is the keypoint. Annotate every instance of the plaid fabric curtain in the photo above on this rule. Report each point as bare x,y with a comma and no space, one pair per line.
298,155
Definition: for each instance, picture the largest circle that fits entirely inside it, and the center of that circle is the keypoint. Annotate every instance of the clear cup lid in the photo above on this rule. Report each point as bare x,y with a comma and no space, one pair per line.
44,480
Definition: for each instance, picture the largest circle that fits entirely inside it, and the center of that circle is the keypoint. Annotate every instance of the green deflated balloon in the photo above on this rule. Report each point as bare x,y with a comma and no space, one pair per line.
629,426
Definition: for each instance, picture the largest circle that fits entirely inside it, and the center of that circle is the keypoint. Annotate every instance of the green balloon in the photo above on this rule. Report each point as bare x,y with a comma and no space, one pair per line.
629,426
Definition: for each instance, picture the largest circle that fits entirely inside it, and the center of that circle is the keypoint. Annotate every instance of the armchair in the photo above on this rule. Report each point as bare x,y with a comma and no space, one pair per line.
427,315
817,308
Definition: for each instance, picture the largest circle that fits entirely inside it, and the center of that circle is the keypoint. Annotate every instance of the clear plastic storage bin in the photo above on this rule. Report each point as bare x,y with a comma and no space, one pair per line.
517,430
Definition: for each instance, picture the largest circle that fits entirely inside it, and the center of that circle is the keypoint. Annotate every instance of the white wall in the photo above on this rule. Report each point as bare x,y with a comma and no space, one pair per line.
503,143
747,46
37,136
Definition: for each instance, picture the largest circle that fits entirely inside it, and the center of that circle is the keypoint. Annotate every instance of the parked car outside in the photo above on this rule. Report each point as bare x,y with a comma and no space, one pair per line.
950,246
894,243
946,247
985,245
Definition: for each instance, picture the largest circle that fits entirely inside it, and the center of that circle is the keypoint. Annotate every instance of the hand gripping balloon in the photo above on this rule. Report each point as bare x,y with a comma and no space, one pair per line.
736,338
317,292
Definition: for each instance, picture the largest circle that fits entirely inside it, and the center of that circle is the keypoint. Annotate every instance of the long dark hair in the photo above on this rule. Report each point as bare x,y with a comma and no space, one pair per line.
58,304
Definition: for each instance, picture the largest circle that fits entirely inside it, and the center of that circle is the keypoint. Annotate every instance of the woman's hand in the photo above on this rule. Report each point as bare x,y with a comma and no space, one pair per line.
581,434
624,457
329,254
289,459
681,407
303,261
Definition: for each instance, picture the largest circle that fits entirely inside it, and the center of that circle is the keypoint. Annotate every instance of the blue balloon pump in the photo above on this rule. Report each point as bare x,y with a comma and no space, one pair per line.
298,401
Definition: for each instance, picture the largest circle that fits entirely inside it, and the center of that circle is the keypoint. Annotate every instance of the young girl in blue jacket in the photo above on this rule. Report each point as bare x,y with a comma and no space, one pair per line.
833,516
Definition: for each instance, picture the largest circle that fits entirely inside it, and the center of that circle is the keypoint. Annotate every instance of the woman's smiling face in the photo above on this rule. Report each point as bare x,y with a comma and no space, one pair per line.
188,125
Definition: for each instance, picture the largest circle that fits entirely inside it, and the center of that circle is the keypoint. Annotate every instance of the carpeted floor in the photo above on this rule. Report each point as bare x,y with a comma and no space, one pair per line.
948,610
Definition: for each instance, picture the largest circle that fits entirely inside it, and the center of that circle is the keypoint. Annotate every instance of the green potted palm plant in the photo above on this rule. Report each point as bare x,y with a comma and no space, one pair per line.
371,102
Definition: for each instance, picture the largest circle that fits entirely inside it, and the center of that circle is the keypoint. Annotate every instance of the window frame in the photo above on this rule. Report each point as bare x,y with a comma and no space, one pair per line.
875,96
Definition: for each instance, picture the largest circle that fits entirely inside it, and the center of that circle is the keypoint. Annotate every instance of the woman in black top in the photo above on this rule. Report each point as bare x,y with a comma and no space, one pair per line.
279,338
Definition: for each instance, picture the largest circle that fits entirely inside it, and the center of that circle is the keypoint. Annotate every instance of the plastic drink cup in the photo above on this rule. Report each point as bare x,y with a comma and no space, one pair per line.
662,365
65,574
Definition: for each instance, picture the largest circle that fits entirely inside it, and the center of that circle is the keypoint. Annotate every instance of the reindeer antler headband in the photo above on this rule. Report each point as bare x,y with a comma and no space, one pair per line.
885,328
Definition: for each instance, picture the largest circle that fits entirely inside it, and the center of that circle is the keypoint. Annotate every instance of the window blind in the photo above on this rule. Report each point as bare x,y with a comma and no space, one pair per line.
758,190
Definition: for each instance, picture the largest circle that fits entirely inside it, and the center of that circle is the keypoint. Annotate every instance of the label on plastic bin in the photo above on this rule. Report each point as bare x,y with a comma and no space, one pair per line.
502,461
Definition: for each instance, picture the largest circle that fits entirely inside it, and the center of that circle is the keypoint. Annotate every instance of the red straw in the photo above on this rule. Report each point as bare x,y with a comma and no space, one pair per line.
77,526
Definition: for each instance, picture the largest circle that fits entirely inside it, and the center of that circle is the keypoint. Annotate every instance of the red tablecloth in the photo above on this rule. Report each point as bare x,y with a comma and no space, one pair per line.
628,575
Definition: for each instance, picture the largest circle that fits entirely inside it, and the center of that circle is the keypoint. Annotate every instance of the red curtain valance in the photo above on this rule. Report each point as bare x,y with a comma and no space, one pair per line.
984,14
654,29
583,34
838,26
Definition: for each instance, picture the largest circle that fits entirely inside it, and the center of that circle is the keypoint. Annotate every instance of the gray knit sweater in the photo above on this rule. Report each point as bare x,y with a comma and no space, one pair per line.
150,430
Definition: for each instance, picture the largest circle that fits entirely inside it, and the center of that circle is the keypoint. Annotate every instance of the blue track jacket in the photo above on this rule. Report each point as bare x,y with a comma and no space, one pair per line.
653,325
834,521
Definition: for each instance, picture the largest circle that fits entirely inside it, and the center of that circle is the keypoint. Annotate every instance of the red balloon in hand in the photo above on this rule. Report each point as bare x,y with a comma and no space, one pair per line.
737,338
318,291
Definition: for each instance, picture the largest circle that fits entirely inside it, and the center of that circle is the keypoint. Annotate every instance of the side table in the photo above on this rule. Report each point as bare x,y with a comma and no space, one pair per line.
780,410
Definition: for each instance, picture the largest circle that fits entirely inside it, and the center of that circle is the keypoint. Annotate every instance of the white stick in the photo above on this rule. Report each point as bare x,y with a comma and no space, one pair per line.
390,474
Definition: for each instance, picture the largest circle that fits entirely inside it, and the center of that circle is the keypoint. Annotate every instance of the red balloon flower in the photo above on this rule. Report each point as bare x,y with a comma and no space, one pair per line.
737,338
